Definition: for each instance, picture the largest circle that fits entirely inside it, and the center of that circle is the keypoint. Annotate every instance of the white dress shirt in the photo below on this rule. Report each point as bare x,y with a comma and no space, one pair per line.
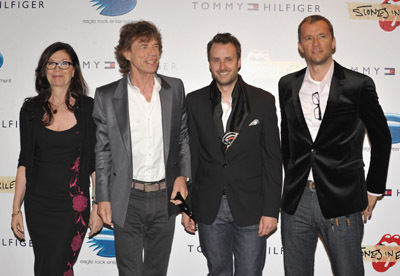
146,133
226,112
309,87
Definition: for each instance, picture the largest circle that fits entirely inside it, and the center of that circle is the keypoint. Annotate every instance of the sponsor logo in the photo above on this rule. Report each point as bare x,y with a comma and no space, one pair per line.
109,65
375,71
252,6
103,243
271,250
1,64
261,70
388,192
13,242
101,64
394,127
258,64
97,64
114,7
7,184
5,81
21,4
390,71
386,13
385,254
8,123
105,21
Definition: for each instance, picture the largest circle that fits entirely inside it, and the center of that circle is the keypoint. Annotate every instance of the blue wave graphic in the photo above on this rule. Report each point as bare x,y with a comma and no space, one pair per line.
1,60
114,7
394,126
105,242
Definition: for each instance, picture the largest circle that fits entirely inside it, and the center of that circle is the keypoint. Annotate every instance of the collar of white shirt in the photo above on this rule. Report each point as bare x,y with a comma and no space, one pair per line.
156,87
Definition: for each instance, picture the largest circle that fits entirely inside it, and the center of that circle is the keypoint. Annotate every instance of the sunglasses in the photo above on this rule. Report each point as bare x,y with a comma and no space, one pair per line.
183,206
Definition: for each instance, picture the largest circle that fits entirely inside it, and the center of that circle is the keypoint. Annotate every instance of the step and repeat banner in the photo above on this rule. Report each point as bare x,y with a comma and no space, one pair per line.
368,39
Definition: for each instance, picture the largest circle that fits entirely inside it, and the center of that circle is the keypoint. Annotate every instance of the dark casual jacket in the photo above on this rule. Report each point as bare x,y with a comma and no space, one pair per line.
30,119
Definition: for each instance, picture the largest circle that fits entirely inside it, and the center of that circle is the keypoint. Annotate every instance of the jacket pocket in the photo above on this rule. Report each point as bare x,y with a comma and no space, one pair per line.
350,166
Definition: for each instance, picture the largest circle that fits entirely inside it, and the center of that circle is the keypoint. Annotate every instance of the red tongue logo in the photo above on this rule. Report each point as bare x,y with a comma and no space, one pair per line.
380,265
388,25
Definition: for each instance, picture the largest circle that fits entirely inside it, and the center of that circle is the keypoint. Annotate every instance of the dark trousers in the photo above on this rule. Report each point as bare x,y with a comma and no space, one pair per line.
342,237
143,245
227,245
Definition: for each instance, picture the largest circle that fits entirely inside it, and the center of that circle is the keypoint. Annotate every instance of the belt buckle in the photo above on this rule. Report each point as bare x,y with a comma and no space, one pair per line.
311,185
148,187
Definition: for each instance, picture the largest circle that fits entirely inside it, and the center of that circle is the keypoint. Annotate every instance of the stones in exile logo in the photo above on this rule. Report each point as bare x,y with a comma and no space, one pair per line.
7,184
392,20
385,254
114,7
386,13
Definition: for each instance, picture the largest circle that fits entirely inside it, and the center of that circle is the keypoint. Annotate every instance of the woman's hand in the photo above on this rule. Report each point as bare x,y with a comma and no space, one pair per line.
95,222
17,224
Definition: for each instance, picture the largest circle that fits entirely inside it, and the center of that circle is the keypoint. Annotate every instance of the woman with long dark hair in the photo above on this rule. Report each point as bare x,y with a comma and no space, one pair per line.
57,136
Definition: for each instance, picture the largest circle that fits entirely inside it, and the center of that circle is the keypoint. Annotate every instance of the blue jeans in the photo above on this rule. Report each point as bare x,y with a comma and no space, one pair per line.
143,245
224,237
341,236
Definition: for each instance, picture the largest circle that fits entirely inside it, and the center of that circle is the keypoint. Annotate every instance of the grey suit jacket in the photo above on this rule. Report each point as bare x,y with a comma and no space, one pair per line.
113,146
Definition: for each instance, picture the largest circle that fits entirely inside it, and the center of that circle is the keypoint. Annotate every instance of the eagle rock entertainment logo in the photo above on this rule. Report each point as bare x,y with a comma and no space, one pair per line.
394,127
3,80
385,254
104,243
386,13
114,7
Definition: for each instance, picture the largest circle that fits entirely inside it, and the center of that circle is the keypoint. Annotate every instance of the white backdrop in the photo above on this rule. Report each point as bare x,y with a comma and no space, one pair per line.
268,33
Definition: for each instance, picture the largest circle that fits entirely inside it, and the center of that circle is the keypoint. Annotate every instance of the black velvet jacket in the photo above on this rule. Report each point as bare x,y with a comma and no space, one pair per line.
335,155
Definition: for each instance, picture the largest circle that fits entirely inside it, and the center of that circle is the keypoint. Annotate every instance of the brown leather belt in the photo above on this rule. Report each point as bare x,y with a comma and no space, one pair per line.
310,184
148,186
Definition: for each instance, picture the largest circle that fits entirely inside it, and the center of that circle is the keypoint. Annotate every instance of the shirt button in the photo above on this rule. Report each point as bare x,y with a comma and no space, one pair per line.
224,165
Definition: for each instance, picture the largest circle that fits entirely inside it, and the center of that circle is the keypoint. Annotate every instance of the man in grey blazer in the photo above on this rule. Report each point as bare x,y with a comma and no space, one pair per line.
142,153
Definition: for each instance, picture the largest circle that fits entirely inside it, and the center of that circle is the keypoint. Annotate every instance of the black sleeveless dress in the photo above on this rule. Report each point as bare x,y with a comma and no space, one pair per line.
57,211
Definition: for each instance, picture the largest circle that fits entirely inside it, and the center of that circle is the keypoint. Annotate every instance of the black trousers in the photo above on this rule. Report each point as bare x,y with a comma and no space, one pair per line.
143,245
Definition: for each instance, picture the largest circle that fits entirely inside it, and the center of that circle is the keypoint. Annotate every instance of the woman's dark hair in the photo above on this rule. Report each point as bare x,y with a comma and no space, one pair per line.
76,88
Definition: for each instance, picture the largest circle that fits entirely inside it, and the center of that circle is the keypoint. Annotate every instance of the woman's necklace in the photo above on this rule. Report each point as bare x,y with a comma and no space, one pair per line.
55,106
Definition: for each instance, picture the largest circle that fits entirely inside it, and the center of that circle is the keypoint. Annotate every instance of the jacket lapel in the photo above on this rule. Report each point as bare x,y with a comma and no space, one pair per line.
246,103
296,102
335,91
166,99
120,103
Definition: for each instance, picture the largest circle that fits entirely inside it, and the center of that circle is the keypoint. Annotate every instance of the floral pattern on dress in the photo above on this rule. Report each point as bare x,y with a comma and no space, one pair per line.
69,272
79,204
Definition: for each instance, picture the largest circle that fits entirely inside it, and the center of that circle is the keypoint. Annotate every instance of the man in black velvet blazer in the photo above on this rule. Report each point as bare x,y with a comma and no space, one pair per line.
326,110
236,164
